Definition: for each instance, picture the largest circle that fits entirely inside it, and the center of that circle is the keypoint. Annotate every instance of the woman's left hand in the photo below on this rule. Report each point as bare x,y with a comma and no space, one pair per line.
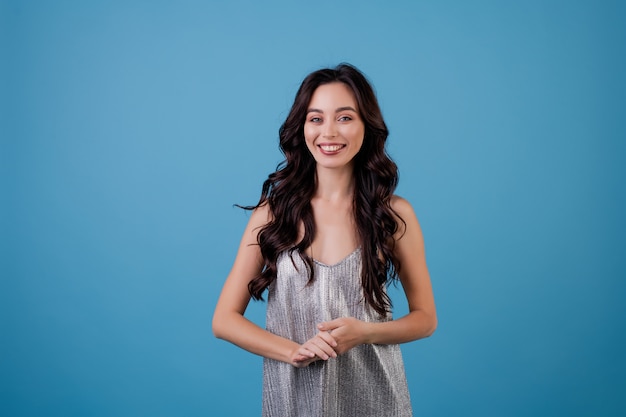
348,332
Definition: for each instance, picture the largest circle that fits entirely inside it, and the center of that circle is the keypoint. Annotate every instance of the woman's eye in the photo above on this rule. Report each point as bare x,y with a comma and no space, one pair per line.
345,118
316,119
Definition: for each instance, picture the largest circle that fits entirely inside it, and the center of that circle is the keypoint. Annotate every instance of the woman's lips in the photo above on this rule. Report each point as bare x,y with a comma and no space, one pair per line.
330,148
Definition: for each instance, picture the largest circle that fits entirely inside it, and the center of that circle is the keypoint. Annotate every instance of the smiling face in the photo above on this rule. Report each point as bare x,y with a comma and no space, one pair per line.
333,129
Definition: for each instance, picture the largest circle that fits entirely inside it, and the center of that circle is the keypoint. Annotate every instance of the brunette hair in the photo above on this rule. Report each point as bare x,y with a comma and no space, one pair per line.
288,192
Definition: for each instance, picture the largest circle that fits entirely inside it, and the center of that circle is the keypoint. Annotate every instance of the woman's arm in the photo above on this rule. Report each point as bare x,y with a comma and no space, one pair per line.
421,321
229,322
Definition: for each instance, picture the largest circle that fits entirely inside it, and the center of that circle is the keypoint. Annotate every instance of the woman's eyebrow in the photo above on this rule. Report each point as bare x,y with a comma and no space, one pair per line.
339,110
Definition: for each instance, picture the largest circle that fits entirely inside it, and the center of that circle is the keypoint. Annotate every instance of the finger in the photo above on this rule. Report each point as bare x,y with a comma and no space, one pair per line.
329,325
303,351
318,351
303,363
328,338
324,345
302,358
320,348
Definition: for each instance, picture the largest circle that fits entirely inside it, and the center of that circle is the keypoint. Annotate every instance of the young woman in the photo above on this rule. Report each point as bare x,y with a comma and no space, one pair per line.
326,237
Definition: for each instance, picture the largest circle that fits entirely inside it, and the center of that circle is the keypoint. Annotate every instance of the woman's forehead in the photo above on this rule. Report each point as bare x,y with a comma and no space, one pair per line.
332,96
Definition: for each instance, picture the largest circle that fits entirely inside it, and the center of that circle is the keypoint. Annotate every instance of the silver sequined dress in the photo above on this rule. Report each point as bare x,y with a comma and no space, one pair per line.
368,380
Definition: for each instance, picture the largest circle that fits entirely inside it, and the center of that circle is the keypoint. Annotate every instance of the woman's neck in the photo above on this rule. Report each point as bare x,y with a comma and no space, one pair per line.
334,184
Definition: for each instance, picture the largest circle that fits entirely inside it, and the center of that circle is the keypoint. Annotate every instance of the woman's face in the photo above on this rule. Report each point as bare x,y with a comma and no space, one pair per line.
333,129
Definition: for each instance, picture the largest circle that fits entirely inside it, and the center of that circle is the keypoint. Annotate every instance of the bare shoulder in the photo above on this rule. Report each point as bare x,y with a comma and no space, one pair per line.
407,221
401,206
260,217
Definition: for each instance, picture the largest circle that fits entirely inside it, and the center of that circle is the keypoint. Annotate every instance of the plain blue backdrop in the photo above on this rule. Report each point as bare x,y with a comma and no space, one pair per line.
129,130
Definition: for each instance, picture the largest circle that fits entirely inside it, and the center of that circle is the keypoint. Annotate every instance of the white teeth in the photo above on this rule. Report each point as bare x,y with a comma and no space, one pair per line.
331,148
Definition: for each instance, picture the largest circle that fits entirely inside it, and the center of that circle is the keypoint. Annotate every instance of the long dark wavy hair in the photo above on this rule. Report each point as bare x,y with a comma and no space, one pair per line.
288,192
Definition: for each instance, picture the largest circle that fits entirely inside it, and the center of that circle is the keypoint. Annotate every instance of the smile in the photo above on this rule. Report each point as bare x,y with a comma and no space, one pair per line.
331,148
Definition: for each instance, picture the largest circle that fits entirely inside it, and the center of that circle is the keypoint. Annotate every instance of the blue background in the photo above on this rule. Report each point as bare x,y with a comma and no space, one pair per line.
129,129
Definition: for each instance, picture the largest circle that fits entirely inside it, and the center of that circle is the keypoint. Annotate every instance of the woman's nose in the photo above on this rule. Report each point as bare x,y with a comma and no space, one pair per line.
330,130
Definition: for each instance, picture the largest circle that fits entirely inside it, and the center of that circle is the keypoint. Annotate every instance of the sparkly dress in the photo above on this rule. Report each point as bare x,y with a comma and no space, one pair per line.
368,380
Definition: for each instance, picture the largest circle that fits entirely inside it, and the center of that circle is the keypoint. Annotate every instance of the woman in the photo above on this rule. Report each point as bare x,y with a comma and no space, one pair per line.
325,238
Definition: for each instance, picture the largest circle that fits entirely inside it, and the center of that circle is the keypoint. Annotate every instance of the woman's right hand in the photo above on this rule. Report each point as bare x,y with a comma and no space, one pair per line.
319,347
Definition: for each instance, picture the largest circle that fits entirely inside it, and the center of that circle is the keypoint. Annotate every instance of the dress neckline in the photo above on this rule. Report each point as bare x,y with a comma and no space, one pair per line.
345,258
